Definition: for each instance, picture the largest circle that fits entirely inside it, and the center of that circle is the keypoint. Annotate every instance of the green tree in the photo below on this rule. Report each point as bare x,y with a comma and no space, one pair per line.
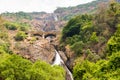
114,41
11,26
94,37
20,36
14,67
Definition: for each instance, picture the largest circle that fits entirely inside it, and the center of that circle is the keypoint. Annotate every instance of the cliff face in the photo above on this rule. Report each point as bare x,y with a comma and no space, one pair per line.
39,50
53,21
39,21
33,47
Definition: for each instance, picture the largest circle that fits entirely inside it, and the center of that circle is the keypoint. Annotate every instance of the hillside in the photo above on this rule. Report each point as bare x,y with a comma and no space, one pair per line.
93,42
68,12
80,42
53,21
37,20
26,55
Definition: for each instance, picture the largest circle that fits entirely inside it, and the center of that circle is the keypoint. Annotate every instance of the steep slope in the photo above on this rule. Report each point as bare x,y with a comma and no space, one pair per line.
67,12
94,40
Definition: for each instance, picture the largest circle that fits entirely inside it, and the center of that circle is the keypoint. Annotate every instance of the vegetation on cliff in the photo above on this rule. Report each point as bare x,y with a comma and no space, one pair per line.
95,42
91,7
93,38
18,15
14,67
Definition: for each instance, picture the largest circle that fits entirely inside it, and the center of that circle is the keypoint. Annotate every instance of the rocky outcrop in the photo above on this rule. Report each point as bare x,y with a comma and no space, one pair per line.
63,56
36,50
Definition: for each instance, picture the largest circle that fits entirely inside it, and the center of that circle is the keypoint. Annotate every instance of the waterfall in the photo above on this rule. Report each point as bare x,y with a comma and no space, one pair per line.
59,61
55,18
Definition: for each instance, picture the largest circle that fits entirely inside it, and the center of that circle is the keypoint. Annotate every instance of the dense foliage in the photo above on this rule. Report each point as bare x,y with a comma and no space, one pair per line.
18,15
86,31
13,67
102,70
96,44
78,32
20,36
114,41
17,26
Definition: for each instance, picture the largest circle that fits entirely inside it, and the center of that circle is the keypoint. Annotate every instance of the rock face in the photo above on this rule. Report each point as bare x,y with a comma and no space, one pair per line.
37,50
63,56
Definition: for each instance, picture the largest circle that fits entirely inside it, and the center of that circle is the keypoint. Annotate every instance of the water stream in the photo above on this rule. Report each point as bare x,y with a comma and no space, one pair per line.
55,18
59,61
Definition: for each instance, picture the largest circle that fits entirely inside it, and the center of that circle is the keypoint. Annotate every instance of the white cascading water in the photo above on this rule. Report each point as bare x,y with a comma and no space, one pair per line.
55,17
59,61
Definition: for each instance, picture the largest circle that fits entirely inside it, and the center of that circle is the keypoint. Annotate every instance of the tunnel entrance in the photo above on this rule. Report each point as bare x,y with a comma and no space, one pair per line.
38,36
51,36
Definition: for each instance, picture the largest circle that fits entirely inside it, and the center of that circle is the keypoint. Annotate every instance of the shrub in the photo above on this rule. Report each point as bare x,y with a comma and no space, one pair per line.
101,70
23,28
3,35
11,26
94,37
114,41
77,47
20,36
13,67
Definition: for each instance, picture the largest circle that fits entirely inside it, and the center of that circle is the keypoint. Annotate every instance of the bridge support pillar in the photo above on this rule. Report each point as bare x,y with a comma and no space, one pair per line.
43,36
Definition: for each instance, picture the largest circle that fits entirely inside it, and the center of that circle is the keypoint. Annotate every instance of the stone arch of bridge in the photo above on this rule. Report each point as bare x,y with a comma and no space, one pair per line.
49,35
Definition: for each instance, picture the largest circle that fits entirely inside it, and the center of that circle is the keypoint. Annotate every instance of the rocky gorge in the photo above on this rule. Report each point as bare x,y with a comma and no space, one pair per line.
42,41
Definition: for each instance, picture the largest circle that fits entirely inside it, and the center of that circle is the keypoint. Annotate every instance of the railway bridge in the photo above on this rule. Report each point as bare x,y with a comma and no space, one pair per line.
45,34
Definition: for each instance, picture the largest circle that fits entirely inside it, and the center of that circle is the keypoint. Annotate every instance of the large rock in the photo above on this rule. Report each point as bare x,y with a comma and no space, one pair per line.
63,56
38,50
